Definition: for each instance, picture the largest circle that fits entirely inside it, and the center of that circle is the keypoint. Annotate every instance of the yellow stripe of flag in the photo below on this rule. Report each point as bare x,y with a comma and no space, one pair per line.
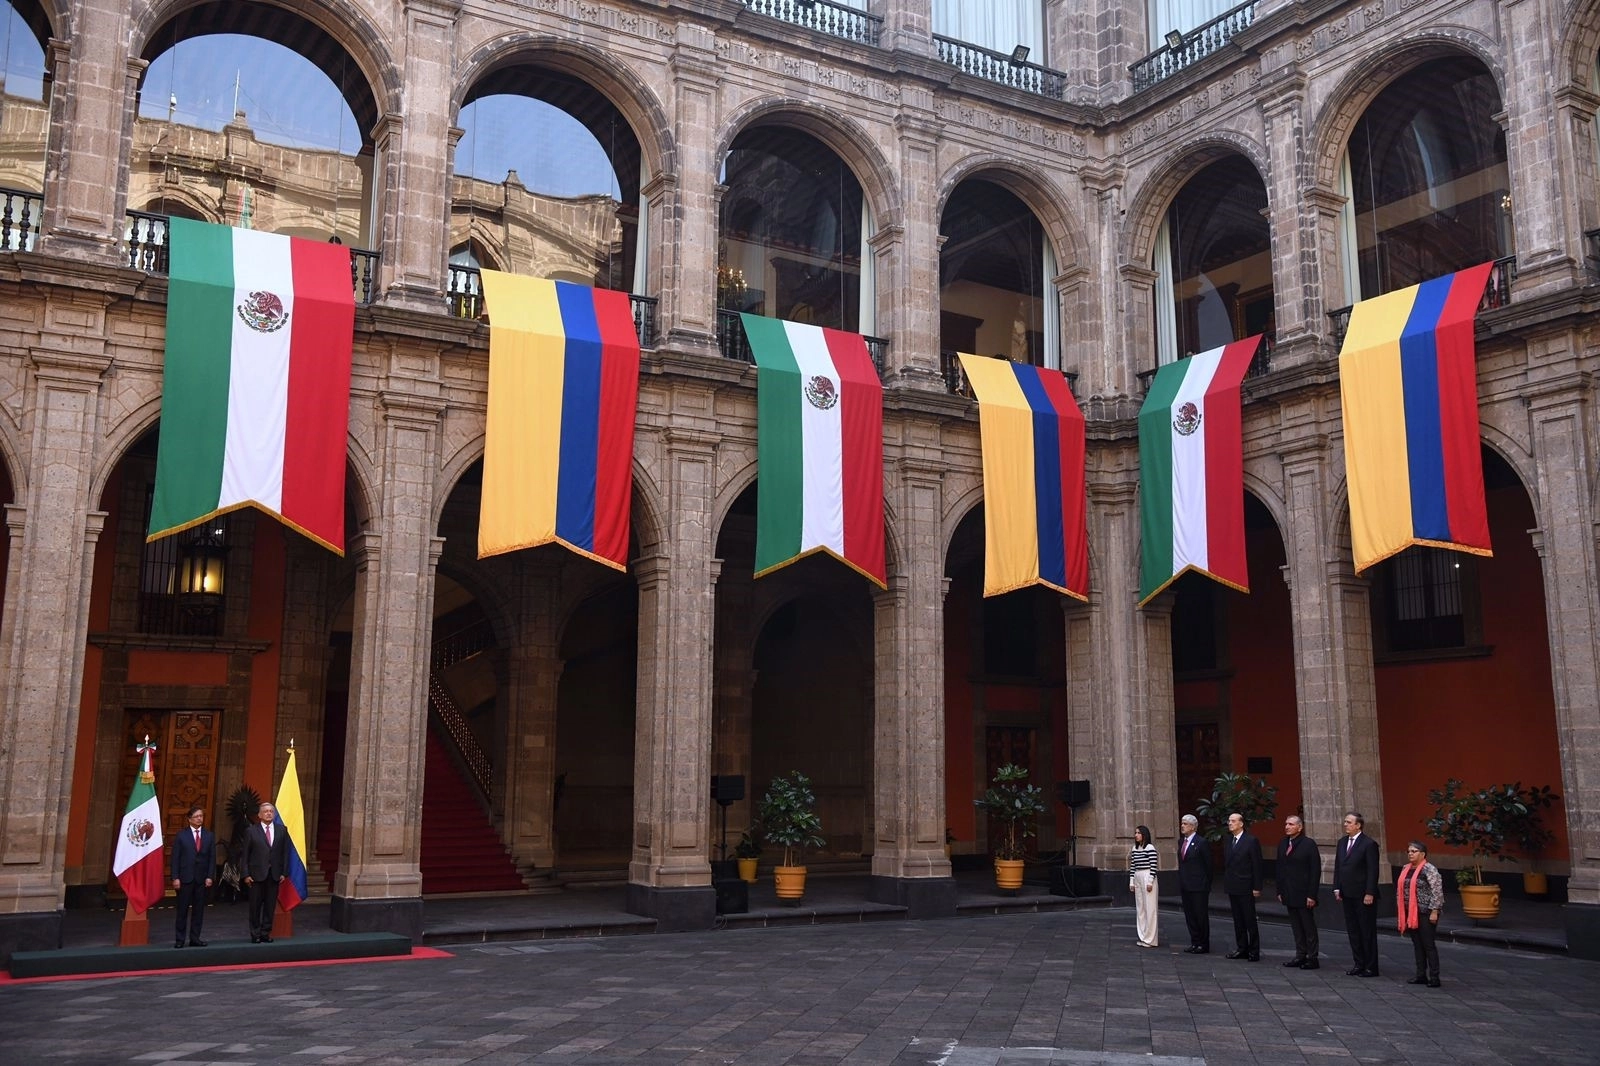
522,445
1373,398
1010,500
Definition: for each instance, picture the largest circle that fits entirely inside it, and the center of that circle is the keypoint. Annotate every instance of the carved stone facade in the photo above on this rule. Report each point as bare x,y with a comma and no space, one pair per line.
80,379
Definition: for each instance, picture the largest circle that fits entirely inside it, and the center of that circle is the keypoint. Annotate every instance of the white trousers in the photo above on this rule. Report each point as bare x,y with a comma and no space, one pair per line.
1144,898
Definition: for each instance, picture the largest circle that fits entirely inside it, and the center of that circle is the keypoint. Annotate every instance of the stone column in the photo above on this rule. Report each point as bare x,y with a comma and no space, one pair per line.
91,134
379,883
530,743
909,866
908,256
1563,435
1094,44
1334,683
687,235
1296,279
48,584
669,877
735,690
1119,692
907,25
415,219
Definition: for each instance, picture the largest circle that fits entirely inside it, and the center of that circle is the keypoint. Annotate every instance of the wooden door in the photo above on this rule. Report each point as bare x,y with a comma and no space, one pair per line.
1008,744
1199,757
185,766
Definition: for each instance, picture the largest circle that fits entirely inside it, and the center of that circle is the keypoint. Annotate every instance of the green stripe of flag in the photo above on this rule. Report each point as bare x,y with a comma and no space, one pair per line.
1155,479
780,445
194,386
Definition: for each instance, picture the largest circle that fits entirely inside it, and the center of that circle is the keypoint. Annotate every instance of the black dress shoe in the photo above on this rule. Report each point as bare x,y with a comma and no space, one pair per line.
1354,971
199,943
1255,958
268,940
255,940
1367,973
1433,982
1298,960
1417,980
1236,955
1311,964
179,944
1192,949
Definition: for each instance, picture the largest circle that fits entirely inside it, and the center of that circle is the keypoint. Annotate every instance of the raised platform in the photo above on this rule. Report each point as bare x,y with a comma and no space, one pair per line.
322,948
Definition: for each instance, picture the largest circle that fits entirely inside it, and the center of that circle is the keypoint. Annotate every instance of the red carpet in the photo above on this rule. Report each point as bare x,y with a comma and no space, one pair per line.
416,953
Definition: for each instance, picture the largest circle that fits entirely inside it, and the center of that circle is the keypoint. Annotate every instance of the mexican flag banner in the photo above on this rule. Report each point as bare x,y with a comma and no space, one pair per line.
819,446
137,865
259,331
1191,471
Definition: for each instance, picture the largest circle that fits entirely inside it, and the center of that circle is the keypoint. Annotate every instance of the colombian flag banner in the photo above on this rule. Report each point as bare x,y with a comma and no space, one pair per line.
1408,384
819,446
291,820
563,392
1036,528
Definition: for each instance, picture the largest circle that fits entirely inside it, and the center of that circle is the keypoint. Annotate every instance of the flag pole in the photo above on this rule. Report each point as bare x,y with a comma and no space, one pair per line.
283,920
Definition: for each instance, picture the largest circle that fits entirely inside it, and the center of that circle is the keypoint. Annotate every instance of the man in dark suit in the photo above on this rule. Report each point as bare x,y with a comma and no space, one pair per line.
1299,883
194,863
266,857
1194,884
1355,884
1242,878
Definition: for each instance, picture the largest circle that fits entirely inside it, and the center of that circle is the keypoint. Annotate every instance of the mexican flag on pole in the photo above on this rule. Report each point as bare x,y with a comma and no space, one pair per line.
255,392
1191,471
819,446
137,865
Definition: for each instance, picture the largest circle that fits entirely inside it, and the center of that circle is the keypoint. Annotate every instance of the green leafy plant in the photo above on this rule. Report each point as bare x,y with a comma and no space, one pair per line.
1253,800
1014,803
1528,832
749,846
1483,822
788,816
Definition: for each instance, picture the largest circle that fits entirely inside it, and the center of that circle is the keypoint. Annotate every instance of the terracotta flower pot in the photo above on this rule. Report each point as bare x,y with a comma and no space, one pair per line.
790,881
1008,874
747,870
1480,901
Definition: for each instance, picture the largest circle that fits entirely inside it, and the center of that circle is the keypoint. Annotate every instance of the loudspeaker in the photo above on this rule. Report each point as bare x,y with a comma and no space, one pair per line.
1079,881
727,788
733,896
1073,793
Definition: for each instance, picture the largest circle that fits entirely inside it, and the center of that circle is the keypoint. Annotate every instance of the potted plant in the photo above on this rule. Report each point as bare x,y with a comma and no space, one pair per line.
1481,822
748,853
1529,835
1018,806
788,818
1254,801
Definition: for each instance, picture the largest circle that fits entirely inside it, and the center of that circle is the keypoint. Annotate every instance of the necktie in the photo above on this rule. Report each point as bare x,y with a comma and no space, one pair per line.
1186,846
197,841
1290,849
269,836
1350,845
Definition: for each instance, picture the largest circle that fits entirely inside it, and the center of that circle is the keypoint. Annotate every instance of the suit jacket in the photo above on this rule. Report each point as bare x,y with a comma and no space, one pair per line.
1355,869
1299,871
1194,869
191,865
1242,871
261,862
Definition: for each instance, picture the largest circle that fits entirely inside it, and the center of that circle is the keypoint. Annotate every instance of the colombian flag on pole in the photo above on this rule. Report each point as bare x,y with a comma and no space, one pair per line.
1035,526
292,823
1408,383
563,392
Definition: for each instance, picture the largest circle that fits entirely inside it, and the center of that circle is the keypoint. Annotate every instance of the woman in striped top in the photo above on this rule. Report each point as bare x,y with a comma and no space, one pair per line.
1142,863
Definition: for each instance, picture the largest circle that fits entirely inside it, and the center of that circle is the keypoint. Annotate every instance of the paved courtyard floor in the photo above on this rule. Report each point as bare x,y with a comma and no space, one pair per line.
1038,989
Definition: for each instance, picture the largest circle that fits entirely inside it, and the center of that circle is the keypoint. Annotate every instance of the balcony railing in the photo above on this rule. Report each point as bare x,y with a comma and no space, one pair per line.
1192,46
1001,68
835,20
1260,366
19,219
464,295
955,379
145,242
735,345
1496,294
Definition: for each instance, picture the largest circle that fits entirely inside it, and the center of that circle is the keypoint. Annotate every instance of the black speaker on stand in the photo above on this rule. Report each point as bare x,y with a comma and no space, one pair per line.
733,895
1071,879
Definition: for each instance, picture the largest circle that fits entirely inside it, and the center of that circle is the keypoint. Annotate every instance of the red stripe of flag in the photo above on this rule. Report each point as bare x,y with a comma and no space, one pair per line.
1225,553
1074,515
619,401
1458,409
321,331
861,446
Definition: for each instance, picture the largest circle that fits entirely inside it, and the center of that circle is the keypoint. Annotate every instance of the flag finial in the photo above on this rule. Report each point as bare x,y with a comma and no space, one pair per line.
146,750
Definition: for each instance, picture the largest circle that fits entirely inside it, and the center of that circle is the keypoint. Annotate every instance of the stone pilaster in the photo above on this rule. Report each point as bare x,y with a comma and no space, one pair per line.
1578,166
1119,693
1334,681
379,883
1296,277
669,877
907,25
1126,342
48,581
908,260
91,133
687,235
909,866
1095,44
530,742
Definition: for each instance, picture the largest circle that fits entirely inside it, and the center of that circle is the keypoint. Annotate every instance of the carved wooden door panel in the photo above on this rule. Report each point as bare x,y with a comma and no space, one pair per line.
1199,758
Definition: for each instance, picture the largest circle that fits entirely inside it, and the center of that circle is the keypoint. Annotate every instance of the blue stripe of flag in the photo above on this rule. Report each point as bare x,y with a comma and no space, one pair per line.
580,416
1419,376
1046,476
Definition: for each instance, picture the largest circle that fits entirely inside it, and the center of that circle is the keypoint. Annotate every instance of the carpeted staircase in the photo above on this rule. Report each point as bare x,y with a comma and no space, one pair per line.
461,852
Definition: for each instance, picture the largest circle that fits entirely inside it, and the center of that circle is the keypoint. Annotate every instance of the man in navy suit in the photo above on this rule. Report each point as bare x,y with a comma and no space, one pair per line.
194,862
1355,884
266,859
1194,885
1242,878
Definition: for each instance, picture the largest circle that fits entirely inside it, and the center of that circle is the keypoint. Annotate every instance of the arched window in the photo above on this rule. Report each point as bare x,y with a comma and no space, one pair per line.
547,178
1426,179
1213,262
24,122
995,269
793,232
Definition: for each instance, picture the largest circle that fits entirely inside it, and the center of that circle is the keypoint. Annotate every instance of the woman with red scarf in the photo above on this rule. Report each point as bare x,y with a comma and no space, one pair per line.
1419,897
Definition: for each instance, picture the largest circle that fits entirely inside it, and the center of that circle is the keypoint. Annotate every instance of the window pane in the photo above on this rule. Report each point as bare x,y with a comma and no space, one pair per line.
991,275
